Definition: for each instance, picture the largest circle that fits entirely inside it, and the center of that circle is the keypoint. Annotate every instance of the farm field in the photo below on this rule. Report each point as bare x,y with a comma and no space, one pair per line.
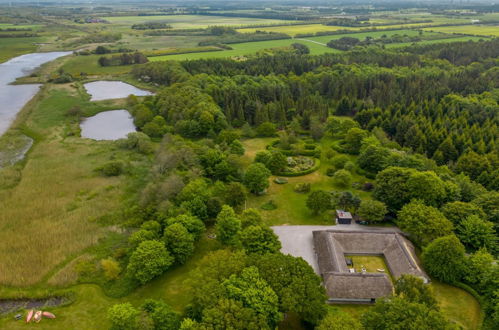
480,30
192,21
317,45
246,48
293,30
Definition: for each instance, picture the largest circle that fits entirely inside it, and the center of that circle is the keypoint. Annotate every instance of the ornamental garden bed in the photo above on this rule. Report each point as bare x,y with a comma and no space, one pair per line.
300,165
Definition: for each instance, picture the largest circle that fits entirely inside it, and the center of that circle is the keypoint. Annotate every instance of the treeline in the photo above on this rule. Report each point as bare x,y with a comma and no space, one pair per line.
244,37
123,59
18,35
151,26
347,43
98,38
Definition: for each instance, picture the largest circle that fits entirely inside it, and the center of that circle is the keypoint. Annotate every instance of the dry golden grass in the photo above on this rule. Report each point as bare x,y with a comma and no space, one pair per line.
51,213
68,275
43,220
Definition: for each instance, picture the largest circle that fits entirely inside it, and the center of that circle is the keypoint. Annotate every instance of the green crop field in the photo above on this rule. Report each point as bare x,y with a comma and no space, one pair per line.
20,26
246,48
191,21
479,30
293,30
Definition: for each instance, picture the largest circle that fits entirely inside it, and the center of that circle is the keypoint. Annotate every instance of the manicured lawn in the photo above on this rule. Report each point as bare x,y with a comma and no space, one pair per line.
458,305
370,263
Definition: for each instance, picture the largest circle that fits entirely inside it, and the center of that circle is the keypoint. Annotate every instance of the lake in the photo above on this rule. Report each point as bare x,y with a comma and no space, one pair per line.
108,125
14,97
106,90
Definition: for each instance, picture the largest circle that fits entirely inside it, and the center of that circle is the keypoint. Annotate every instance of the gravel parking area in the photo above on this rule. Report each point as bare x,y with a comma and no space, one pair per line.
298,240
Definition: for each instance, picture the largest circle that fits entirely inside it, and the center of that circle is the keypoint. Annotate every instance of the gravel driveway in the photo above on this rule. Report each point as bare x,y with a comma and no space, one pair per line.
298,241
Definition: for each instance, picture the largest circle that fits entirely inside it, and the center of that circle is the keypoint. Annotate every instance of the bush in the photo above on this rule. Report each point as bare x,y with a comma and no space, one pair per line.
269,206
330,171
266,129
113,168
111,268
302,187
339,161
123,317
342,178
368,186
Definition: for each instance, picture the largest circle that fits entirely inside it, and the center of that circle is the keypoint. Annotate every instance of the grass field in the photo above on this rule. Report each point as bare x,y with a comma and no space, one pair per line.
11,47
458,305
479,30
89,65
192,21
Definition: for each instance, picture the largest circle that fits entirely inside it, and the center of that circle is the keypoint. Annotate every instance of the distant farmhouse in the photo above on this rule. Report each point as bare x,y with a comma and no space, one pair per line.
344,286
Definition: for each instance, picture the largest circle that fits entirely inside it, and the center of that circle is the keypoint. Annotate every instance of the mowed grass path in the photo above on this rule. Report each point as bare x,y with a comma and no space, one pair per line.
192,21
51,213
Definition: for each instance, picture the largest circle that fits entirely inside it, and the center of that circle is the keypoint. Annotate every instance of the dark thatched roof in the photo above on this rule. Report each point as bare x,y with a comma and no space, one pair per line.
331,247
357,285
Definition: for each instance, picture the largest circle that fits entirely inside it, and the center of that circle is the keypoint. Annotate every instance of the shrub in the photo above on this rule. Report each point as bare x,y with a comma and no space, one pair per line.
371,210
123,317
269,206
330,171
368,186
111,268
302,187
149,260
113,168
339,161
342,178
266,129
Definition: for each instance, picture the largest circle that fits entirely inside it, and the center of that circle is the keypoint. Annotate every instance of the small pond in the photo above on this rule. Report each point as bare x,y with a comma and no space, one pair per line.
106,90
108,125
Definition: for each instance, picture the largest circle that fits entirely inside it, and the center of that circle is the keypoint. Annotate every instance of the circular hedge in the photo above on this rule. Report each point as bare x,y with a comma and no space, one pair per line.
315,167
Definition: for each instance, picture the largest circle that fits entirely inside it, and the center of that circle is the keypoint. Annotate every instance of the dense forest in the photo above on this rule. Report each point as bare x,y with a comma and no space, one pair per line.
424,124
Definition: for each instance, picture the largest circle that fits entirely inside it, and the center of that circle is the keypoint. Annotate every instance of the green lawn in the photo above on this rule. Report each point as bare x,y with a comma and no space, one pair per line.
458,305
370,263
